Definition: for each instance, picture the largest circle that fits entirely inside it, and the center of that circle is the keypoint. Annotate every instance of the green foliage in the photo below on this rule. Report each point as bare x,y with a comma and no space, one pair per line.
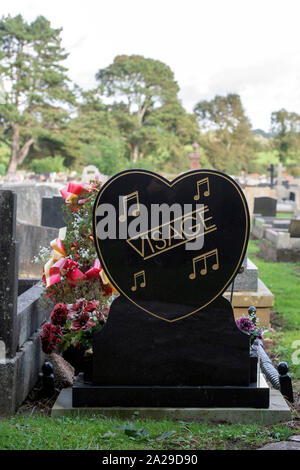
265,158
48,165
30,61
41,432
4,158
149,116
226,133
108,155
286,128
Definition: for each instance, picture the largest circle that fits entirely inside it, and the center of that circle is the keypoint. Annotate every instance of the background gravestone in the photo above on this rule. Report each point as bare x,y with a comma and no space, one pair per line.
265,206
52,212
294,228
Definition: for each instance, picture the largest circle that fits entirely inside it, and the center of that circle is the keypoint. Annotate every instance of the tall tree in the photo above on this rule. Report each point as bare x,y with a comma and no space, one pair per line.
226,132
286,129
35,82
145,93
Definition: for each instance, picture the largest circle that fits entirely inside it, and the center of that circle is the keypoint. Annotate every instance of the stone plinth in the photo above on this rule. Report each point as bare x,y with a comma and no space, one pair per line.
272,252
286,206
277,412
31,238
248,279
262,299
261,224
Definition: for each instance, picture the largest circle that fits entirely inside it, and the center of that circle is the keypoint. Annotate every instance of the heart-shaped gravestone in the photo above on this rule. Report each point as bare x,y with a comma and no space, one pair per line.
177,243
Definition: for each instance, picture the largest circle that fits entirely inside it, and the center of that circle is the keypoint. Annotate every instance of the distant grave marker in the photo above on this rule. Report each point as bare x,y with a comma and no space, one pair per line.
89,173
52,212
265,206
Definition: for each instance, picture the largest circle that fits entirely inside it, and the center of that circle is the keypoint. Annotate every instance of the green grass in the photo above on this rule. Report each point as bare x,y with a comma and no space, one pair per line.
41,432
283,279
284,215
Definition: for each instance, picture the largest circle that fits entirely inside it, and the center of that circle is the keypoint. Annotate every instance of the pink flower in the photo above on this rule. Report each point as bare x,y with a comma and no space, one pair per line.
245,324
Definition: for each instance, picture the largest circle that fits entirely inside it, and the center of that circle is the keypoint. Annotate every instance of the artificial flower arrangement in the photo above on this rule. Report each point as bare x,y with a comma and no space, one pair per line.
250,325
75,282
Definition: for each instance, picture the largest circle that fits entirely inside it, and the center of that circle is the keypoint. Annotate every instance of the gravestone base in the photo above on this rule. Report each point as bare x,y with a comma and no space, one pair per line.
277,412
90,395
262,299
269,251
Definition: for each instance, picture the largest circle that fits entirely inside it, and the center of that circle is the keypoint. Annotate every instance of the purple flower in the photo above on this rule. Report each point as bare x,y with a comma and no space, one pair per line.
245,325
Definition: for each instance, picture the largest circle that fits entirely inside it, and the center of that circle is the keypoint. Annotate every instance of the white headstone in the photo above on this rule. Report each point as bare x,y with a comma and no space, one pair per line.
90,173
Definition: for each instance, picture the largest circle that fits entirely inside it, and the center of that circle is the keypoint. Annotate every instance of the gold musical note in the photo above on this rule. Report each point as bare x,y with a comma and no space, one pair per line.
204,257
134,195
142,283
199,183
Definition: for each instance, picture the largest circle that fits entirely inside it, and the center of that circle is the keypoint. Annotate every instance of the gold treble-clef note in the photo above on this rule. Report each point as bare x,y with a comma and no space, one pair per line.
143,281
206,192
128,197
204,257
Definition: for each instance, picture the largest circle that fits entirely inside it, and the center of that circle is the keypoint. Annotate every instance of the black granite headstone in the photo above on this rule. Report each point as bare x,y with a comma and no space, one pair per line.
157,264
205,348
265,206
9,272
52,212
171,337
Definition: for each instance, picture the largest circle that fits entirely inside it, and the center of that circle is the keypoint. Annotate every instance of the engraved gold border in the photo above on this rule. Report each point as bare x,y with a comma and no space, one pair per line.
170,184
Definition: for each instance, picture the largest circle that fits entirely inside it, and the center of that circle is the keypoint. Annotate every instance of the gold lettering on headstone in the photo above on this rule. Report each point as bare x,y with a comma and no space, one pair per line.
142,282
206,192
203,258
142,244
128,197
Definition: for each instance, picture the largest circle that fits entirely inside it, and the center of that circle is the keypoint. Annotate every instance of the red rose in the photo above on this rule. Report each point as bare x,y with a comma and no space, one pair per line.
50,337
59,314
82,322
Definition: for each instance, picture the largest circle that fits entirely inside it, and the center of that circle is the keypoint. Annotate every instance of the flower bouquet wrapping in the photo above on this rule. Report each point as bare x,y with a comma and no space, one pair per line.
75,282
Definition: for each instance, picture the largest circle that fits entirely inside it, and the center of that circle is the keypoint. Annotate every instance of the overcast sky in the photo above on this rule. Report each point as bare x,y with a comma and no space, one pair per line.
251,47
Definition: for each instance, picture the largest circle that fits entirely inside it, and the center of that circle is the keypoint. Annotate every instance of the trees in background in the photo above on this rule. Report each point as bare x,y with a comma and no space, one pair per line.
286,130
36,88
149,115
226,132
133,118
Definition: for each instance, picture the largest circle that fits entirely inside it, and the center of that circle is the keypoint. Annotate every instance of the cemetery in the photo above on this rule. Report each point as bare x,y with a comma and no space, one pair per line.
150,239
229,387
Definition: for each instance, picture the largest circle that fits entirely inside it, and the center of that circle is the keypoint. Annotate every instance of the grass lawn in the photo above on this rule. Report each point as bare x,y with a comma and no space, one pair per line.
284,215
283,279
43,432
39,431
